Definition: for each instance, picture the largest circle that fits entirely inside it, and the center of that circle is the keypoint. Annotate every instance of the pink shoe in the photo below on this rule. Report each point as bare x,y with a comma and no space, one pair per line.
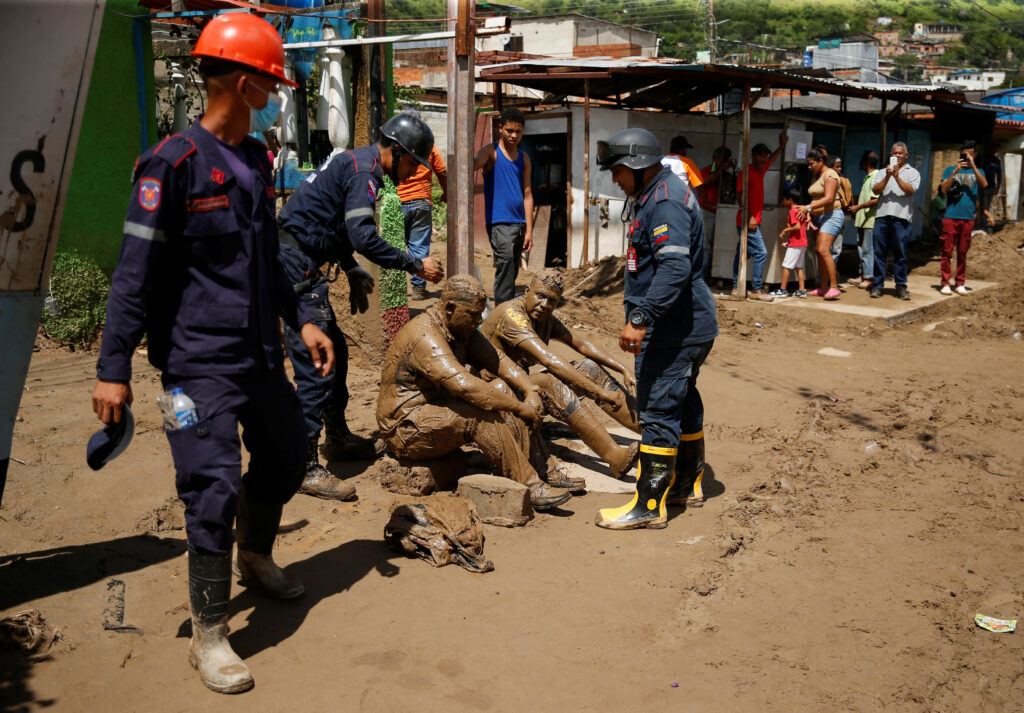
833,294
816,293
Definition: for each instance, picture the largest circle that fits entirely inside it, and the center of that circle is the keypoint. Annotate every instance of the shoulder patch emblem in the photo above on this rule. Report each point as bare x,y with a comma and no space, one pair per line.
660,233
149,193
217,176
371,191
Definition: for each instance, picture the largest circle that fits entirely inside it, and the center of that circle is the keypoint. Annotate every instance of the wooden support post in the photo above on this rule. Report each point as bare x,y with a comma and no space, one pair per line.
461,133
586,170
882,153
745,209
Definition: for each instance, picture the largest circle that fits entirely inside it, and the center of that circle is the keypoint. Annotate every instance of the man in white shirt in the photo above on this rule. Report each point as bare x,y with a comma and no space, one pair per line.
895,189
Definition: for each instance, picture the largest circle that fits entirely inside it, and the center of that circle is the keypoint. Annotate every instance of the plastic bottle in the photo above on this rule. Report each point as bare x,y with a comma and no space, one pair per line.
184,409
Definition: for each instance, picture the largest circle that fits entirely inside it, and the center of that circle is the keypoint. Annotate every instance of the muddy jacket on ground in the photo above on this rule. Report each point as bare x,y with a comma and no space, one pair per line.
199,272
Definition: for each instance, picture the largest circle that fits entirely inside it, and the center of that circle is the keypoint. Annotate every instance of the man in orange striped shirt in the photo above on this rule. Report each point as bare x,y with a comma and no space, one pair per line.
415,193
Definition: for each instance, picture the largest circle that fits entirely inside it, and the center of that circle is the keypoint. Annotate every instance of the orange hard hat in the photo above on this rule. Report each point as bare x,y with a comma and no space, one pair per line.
245,39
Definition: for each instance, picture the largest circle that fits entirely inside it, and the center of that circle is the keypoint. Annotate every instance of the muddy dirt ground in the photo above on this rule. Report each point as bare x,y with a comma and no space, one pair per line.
838,564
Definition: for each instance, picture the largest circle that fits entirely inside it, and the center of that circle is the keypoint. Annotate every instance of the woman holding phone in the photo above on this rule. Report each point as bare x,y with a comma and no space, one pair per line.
826,214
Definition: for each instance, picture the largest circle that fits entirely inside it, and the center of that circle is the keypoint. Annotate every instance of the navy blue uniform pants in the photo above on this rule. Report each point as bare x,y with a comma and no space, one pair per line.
318,394
208,455
667,396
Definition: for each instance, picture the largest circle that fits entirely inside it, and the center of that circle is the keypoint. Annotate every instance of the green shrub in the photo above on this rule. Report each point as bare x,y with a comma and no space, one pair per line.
77,303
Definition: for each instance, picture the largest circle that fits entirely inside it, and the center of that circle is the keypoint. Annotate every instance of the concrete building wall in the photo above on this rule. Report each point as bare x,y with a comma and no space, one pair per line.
862,55
559,36
112,136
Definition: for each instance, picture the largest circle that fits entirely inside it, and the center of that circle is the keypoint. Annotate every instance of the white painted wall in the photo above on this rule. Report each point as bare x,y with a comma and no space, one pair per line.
557,36
1011,184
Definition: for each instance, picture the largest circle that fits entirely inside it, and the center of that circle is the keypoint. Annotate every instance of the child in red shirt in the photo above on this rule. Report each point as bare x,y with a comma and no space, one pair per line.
794,238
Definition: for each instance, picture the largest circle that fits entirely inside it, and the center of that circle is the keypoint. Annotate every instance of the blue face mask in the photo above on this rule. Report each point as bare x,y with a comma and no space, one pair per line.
263,119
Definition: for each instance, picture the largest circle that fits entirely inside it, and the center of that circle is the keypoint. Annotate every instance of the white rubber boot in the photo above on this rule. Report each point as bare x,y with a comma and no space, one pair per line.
210,653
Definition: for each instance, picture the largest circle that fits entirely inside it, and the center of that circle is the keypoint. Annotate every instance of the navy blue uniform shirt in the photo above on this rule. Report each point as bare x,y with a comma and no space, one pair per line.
668,286
199,271
331,212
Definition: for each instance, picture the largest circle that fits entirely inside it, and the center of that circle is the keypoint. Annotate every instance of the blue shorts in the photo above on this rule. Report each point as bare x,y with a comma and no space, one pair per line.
831,222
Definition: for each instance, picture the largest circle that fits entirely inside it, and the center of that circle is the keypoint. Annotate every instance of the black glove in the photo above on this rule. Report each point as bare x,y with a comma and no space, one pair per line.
360,285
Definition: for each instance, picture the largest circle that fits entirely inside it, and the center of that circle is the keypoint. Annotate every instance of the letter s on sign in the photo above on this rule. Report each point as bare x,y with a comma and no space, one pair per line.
28,199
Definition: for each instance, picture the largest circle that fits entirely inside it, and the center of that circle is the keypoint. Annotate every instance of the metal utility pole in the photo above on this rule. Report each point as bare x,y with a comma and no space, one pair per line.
711,31
461,132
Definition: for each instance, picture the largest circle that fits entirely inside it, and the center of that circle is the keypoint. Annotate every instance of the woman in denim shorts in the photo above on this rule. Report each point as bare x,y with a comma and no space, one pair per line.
826,215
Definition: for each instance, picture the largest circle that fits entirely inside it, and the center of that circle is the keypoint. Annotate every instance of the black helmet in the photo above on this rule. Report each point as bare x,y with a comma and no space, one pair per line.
633,148
412,134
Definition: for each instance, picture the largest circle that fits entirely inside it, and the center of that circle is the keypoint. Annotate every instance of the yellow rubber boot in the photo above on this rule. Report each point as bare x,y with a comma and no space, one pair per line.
647,508
689,472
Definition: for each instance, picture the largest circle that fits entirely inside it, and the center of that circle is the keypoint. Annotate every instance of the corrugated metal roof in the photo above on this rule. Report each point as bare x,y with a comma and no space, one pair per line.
634,81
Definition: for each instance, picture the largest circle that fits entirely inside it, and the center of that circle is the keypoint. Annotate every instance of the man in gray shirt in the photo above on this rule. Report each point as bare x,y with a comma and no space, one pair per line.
895,189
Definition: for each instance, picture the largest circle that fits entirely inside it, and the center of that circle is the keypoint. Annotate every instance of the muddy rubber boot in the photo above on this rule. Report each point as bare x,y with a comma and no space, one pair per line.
620,459
322,483
647,508
257,524
689,472
210,653
341,444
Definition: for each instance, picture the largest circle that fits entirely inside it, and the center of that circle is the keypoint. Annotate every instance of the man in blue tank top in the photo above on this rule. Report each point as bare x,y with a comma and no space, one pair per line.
508,200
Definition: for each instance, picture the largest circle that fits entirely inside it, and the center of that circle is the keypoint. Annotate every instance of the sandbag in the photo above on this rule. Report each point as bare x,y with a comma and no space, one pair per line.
441,529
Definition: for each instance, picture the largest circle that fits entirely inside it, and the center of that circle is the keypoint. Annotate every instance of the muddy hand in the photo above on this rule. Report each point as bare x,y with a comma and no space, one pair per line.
432,270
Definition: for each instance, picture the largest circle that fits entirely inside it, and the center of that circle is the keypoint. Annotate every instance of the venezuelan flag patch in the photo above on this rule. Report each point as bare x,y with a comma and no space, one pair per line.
660,233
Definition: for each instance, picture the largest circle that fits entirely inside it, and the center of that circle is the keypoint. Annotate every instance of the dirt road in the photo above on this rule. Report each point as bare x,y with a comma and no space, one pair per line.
838,564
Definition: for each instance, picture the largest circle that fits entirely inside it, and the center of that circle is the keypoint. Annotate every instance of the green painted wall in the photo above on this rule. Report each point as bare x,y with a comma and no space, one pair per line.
110,138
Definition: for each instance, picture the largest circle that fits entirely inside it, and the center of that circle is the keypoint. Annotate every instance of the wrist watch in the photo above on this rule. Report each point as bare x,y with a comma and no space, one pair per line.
638,318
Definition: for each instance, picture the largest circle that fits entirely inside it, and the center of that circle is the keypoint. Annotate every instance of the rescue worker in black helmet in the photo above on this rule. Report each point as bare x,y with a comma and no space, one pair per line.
670,327
327,220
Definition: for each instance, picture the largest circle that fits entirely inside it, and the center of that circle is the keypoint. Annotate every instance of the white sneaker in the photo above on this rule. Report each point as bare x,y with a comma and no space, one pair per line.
961,290
946,290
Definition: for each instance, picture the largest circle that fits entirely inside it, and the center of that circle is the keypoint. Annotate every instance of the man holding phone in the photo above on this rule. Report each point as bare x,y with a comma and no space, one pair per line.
960,184
895,190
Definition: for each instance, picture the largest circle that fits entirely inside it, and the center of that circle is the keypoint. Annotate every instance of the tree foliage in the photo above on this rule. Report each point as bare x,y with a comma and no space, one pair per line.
994,37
